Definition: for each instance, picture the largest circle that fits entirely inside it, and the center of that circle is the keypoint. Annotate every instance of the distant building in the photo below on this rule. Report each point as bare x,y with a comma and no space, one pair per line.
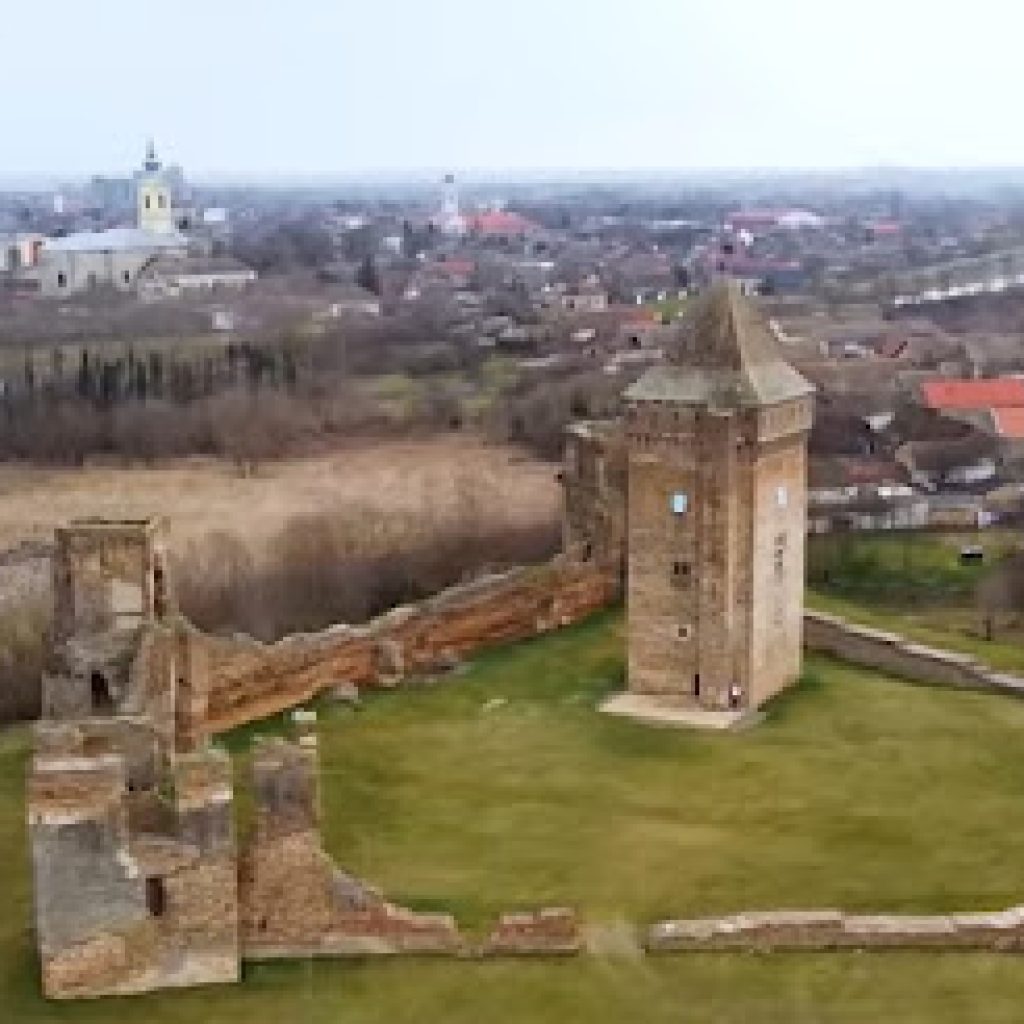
155,202
91,259
758,221
111,194
966,395
590,297
450,219
350,300
114,258
172,274
500,224
20,251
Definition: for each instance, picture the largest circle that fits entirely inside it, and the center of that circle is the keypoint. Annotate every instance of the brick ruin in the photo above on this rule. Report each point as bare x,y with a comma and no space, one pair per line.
140,881
294,900
134,861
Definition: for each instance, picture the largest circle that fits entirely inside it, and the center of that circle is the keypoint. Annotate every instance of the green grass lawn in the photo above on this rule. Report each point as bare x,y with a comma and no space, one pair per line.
502,788
914,584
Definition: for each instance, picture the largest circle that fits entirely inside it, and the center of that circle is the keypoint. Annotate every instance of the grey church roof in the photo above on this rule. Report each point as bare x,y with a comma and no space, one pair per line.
116,240
722,355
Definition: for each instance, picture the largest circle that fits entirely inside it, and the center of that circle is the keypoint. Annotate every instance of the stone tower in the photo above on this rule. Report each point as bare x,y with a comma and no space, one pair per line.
716,511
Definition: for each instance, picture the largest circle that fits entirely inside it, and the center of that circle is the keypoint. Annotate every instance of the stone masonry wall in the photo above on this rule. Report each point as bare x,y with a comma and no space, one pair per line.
248,680
294,900
130,896
1001,931
894,654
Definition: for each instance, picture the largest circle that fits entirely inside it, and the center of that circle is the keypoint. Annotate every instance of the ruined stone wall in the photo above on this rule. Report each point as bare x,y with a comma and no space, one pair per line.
112,601
1000,931
295,901
594,488
248,680
130,896
108,575
895,655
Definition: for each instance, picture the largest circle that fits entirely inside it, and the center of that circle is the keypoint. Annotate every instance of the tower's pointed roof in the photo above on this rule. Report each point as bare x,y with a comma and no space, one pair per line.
722,354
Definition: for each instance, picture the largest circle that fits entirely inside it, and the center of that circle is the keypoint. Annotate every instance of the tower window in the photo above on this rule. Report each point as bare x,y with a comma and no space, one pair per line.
681,570
679,503
162,200
149,202
696,685
780,553
62,280
159,592
683,632
127,277
99,689
782,496
156,897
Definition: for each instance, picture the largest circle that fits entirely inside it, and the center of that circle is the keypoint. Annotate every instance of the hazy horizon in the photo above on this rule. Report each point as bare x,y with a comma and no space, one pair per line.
316,92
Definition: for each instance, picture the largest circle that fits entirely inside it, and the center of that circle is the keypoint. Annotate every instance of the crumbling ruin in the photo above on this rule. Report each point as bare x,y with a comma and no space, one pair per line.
140,882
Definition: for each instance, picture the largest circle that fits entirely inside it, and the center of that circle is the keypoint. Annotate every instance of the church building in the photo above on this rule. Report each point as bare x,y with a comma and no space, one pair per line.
115,257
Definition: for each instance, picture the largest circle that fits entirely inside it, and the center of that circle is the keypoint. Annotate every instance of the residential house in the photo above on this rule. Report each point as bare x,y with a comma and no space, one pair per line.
174,274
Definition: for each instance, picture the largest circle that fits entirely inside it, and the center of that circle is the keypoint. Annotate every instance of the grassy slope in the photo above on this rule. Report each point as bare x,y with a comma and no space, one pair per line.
914,584
858,791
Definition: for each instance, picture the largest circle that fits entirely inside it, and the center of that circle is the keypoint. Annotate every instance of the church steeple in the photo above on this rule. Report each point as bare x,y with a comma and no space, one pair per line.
153,194
151,164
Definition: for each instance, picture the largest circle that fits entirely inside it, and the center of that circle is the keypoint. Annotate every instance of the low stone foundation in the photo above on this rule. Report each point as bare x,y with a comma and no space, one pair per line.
1001,931
652,709
554,931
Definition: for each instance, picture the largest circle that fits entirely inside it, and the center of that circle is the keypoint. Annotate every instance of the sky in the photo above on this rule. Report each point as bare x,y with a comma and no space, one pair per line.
274,89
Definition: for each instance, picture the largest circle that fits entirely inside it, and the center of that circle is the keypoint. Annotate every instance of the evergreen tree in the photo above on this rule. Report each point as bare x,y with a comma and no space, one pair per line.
368,276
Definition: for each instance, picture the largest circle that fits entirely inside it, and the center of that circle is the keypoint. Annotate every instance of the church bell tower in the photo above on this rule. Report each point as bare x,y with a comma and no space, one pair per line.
155,211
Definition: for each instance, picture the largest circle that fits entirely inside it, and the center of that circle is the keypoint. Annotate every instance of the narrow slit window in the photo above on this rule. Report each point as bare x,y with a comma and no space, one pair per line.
156,897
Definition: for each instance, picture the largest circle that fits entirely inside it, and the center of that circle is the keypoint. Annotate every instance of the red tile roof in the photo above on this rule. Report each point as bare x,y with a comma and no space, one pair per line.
1009,422
884,227
1001,392
499,222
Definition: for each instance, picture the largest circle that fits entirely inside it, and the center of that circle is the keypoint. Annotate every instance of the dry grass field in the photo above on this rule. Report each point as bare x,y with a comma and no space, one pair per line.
374,481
